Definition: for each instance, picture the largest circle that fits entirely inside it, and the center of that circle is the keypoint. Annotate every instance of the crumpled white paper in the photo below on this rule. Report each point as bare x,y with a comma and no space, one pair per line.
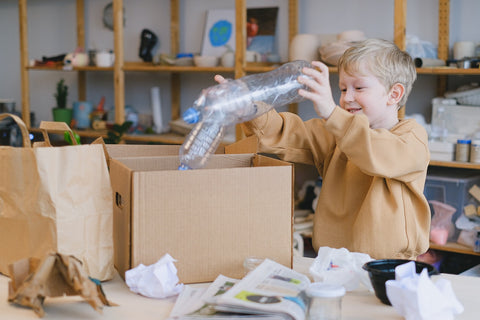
341,267
415,296
158,280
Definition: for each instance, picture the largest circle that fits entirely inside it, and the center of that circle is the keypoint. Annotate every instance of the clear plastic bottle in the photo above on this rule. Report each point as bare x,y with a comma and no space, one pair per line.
236,101
439,125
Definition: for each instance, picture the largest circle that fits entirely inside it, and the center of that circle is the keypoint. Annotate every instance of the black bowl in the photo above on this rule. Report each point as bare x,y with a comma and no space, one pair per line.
379,271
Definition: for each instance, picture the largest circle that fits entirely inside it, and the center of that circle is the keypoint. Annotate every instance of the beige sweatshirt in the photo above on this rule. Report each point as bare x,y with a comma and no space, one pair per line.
371,199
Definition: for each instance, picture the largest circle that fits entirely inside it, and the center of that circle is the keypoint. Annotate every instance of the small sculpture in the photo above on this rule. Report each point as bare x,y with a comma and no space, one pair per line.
148,41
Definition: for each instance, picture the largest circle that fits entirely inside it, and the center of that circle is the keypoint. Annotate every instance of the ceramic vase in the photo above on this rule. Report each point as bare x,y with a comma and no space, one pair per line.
304,47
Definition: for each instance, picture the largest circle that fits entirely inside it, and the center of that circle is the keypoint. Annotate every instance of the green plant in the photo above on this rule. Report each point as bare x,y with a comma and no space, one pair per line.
114,135
68,138
61,94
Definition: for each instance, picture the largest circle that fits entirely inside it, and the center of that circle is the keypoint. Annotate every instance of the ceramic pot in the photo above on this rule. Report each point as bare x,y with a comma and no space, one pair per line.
62,115
304,47
228,59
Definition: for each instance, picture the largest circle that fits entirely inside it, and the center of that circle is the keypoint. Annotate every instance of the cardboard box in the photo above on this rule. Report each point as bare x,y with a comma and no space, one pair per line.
209,219
140,150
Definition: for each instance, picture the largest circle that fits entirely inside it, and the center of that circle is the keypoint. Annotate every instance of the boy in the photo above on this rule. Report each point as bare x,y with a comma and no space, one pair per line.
373,165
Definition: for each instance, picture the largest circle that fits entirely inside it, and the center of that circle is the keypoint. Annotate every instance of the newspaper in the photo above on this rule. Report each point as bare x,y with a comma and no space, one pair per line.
271,291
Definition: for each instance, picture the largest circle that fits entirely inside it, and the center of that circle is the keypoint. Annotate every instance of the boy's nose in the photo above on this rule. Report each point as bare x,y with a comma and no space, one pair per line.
349,95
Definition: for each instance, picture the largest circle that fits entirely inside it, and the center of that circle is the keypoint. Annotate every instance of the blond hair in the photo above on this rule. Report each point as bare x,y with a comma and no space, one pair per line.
384,60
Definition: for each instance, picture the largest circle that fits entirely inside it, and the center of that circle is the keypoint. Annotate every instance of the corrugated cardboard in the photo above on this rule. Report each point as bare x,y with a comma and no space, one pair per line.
209,219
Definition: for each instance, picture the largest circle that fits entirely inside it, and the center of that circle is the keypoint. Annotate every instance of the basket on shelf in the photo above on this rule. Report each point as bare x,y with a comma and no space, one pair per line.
469,96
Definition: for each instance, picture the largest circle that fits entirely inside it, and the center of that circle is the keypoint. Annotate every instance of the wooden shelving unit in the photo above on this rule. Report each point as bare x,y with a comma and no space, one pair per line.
442,73
241,68
122,67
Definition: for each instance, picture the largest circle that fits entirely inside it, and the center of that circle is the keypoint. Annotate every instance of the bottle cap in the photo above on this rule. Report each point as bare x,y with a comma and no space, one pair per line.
191,116
183,167
325,290
464,141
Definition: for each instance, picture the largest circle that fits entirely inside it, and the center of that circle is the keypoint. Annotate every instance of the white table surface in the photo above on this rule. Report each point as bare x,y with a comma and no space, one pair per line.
357,305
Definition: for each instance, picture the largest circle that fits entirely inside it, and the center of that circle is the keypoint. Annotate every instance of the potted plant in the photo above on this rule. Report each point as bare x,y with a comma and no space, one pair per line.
61,112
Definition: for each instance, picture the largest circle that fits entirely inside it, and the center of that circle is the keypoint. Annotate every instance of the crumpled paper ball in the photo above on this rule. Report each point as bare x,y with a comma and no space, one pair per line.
158,280
417,297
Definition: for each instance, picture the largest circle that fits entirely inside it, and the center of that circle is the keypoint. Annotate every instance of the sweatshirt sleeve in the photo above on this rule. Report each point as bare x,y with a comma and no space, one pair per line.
400,153
285,135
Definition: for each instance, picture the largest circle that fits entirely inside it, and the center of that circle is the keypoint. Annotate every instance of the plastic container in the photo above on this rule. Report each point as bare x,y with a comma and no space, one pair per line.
236,101
325,301
439,130
476,247
451,186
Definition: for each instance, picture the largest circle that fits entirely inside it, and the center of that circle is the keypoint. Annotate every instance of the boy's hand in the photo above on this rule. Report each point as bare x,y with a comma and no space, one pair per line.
320,91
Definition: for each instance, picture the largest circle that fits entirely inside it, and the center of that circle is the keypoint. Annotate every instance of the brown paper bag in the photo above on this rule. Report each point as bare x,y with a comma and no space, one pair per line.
56,199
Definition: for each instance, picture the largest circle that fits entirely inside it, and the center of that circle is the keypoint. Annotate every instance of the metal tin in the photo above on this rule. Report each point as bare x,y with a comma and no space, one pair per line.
475,151
462,150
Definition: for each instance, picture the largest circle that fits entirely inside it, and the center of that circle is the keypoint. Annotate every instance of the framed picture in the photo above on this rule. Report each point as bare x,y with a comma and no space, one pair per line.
261,27
219,32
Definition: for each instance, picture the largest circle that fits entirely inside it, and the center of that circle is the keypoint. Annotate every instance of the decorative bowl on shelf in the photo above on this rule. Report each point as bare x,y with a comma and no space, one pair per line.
205,61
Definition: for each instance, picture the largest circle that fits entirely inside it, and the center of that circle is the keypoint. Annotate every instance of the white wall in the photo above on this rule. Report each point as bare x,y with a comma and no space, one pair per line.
51,31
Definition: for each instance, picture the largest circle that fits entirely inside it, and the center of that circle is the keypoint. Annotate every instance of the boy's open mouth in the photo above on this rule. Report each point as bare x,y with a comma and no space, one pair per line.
354,110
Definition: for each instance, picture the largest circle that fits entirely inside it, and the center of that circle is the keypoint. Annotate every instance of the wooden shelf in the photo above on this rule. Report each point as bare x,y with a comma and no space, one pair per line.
167,138
150,67
454,247
448,71
63,68
454,164
435,71
145,66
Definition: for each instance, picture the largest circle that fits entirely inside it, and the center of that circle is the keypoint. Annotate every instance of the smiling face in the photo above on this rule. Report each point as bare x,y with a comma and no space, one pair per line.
375,78
363,93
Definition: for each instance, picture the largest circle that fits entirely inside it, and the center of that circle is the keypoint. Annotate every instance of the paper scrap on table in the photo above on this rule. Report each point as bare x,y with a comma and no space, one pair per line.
33,280
341,267
158,280
415,296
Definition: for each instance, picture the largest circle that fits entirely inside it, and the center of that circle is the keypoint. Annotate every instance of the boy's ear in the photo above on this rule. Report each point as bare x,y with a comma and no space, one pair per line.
396,93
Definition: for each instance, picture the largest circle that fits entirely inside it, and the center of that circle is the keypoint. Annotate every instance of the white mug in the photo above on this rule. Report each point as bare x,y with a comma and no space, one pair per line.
104,59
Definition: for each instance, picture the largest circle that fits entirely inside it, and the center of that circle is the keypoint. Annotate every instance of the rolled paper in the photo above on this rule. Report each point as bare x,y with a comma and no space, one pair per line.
156,109
427,62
